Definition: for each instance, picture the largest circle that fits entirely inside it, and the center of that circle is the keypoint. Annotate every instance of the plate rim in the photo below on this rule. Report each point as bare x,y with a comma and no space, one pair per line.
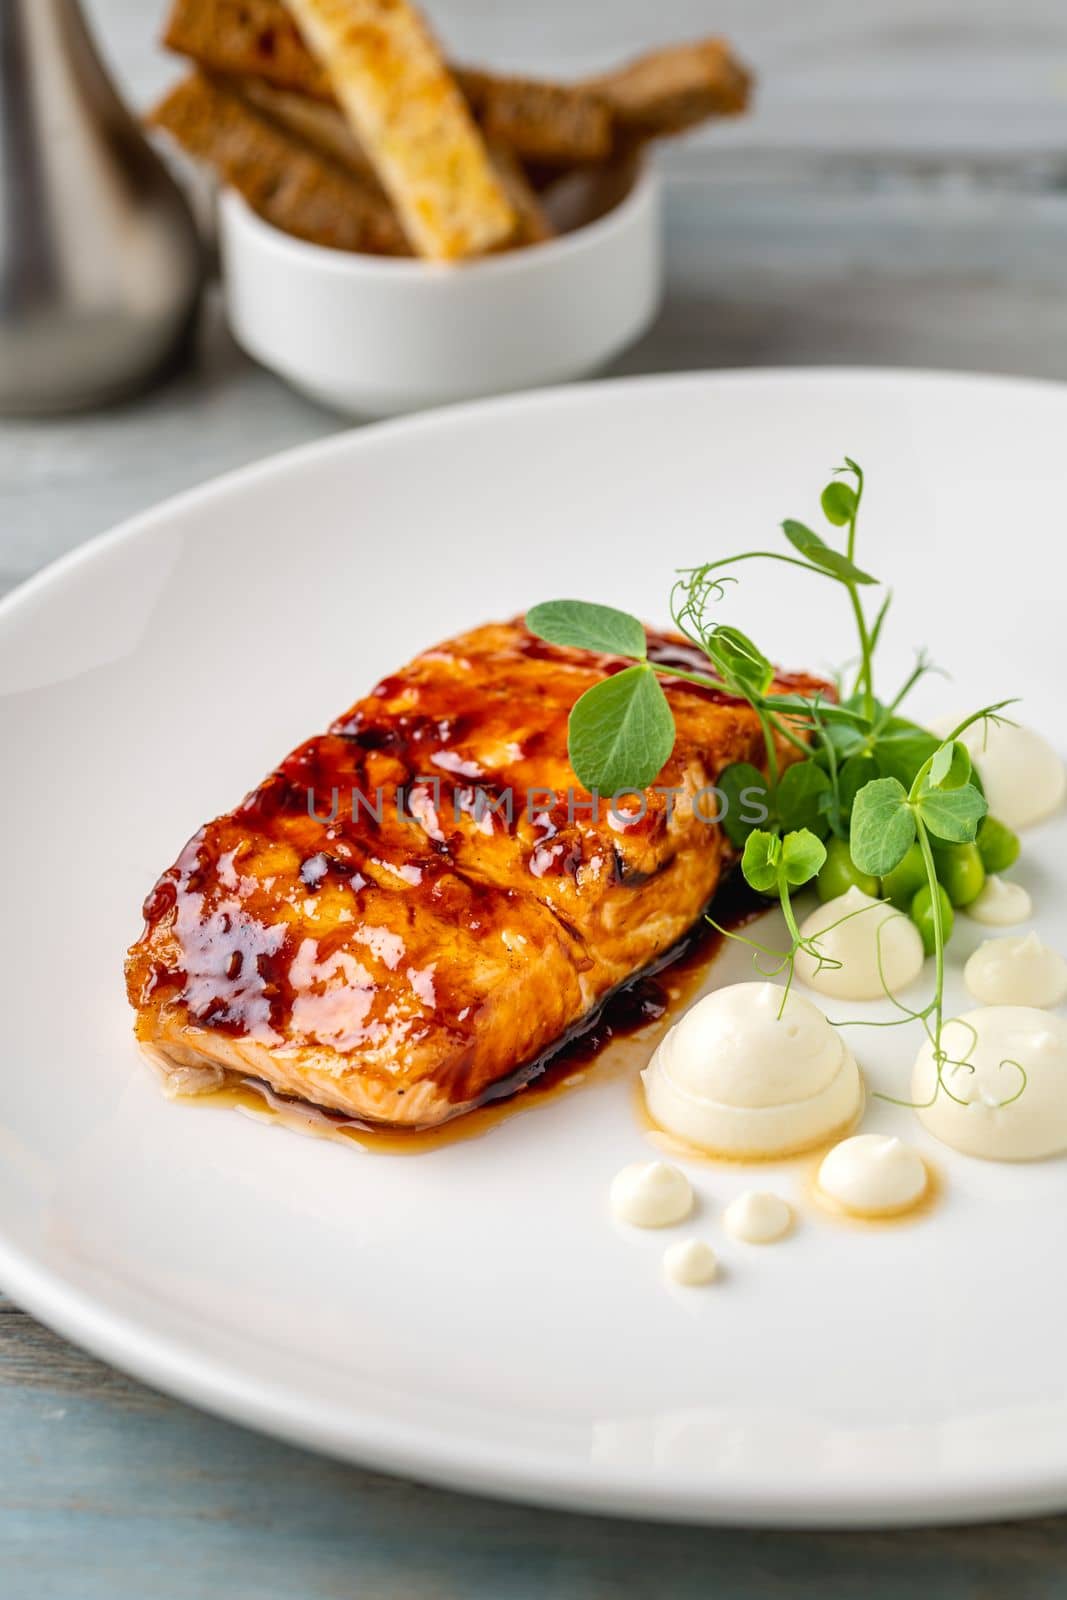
379,1441
350,436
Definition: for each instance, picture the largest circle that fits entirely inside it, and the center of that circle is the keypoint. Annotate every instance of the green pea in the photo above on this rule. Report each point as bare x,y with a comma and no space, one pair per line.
909,874
922,914
839,873
960,872
997,845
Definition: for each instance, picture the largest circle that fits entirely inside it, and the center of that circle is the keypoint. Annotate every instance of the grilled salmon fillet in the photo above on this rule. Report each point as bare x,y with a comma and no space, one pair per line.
408,915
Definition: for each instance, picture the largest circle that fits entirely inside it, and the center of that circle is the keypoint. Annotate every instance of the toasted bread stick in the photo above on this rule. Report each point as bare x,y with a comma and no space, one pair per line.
283,179
246,38
411,119
543,122
670,90
324,128
534,226
317,123
258,40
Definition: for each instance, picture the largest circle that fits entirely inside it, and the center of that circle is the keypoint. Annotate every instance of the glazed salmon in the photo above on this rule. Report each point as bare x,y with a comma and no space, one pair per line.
412,911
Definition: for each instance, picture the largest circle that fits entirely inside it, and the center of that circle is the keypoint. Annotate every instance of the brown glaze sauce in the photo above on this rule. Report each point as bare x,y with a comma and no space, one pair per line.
644,1000
332,824
354,904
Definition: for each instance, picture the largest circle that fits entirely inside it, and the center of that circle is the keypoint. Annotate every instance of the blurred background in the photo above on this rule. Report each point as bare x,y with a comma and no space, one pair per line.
903,158
896,196
927,77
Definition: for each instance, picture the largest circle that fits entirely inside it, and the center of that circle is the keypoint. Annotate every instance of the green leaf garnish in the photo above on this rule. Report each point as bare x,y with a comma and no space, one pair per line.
860,769
845,741
621,732
839,503
940,763
808,542
803,538
803,856
903,750
883,826
581,625
744,790
952,814
741,664
769,860
802,798
950,767
760,859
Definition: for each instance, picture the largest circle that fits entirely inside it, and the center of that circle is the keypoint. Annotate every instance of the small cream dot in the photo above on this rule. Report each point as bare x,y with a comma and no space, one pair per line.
690,1262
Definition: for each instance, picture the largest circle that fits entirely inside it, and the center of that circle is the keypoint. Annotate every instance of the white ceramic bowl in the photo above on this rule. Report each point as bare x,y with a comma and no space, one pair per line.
372,335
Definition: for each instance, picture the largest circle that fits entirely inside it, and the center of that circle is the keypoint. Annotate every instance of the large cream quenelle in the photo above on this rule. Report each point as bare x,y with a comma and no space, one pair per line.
991,1111
1024,778
735,1079
870,947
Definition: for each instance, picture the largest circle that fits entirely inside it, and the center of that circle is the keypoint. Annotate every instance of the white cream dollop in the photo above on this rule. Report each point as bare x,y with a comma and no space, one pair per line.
1023,777
1016,972
865,926
756,1217
690,1262
651,1194
873,1175
735,1079
1000,904
984,1113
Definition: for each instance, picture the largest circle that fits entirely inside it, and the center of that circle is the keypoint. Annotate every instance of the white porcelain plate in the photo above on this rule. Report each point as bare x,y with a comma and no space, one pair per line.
471,1315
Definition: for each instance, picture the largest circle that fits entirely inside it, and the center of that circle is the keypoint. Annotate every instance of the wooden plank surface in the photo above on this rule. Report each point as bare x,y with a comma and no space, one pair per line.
897,198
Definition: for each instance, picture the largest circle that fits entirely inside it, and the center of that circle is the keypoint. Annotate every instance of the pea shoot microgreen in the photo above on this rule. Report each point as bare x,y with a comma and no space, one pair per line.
858,770
776,863
622,732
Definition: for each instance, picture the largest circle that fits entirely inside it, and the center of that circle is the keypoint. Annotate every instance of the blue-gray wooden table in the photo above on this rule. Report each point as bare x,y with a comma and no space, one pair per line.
899,197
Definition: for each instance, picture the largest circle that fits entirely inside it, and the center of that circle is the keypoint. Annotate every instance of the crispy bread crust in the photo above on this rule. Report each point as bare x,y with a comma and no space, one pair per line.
403,103
551,124
668,91
288,183
246,38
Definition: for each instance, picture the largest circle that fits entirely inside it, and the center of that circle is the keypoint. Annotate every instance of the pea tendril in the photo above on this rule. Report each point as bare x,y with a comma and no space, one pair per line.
875,784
